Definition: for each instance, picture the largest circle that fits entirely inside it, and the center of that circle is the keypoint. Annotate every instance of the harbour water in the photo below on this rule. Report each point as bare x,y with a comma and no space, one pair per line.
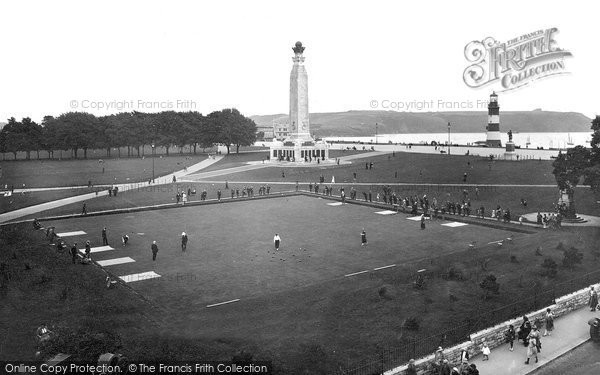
522,140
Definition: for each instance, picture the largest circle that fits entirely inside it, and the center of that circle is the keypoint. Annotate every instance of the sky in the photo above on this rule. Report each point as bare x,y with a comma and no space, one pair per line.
105,57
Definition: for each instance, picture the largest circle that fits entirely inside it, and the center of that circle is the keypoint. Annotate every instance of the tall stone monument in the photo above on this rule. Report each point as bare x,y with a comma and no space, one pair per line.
299,146
510,147
299,119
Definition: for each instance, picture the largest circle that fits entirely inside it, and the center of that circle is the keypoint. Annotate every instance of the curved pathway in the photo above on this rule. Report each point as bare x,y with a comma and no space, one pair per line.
166,179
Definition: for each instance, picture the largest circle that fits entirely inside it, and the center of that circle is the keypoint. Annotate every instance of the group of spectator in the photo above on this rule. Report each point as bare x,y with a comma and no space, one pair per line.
247,191
553,221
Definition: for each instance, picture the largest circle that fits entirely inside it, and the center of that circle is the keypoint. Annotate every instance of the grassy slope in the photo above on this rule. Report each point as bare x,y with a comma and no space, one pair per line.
72,299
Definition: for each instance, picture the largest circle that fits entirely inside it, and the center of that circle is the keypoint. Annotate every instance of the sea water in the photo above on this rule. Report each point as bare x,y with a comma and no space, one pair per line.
522,140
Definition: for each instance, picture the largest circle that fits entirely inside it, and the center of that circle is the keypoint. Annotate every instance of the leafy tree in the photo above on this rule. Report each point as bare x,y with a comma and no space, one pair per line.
199,134
549,267
47,141
80,131
245,133
32,134
568,170
592,173
489,286
572,256
230,127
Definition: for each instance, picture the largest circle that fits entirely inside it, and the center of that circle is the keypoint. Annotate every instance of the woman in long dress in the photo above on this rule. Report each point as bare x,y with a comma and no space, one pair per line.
524,331
549,322
532,350
593,299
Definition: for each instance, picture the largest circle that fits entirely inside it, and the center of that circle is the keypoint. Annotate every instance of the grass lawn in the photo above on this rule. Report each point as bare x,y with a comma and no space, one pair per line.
414,168
52,173
236,160
147,196
297,306
20,200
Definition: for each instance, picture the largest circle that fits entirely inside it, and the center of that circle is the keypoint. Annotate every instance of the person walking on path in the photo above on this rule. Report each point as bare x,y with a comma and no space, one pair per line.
74,252
104,237
445,369
88,249
363,238
422,221
84,209
524,330
125,239
277,241
510,337
154,248
485,350
549,322
593,302
532,350
184,241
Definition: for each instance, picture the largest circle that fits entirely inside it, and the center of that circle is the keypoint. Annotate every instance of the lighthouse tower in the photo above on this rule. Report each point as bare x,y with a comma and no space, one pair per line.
493,126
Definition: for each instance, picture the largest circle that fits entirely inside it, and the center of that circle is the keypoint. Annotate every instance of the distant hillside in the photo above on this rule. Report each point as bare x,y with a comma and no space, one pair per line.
361,123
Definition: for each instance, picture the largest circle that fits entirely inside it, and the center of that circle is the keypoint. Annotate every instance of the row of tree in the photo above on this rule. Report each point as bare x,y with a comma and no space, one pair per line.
77,131
578,163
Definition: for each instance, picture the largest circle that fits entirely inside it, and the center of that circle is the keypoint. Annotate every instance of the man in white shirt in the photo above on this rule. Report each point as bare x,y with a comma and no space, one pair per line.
277,241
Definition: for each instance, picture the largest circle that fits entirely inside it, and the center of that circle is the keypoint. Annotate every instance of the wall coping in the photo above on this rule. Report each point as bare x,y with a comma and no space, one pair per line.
476,337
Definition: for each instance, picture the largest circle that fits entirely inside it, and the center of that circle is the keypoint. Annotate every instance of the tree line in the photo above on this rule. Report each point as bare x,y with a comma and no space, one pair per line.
80,131
580,163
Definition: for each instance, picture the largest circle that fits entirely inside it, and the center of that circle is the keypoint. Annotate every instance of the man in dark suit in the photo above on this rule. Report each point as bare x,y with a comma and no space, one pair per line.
184,241
74,252
154,250
104,237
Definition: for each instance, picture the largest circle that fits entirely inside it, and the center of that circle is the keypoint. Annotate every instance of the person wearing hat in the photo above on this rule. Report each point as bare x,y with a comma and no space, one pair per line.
411,369
88,249
363,238
439,356
74,252
445,368
277,241
104,237
184,241
154,248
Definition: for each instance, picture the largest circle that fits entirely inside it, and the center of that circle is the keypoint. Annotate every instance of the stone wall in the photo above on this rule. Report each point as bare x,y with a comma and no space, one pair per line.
494,336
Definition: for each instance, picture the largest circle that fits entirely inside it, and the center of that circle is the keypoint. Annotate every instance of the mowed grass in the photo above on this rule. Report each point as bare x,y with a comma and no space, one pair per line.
20,200
70,172
235,160
296,307
154,195
413,168
231,252
289,300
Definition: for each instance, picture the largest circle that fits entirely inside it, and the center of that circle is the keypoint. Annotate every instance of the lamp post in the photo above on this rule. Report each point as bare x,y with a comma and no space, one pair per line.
448,138
376,141
152,162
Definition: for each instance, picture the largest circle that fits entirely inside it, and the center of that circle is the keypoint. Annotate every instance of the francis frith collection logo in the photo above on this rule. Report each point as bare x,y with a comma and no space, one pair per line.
514,63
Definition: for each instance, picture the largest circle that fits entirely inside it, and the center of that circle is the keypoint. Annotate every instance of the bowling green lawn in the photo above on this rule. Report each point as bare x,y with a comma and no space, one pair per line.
321,302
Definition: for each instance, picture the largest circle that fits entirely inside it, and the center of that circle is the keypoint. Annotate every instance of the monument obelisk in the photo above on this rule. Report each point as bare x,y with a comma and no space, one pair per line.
299,118
299,146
